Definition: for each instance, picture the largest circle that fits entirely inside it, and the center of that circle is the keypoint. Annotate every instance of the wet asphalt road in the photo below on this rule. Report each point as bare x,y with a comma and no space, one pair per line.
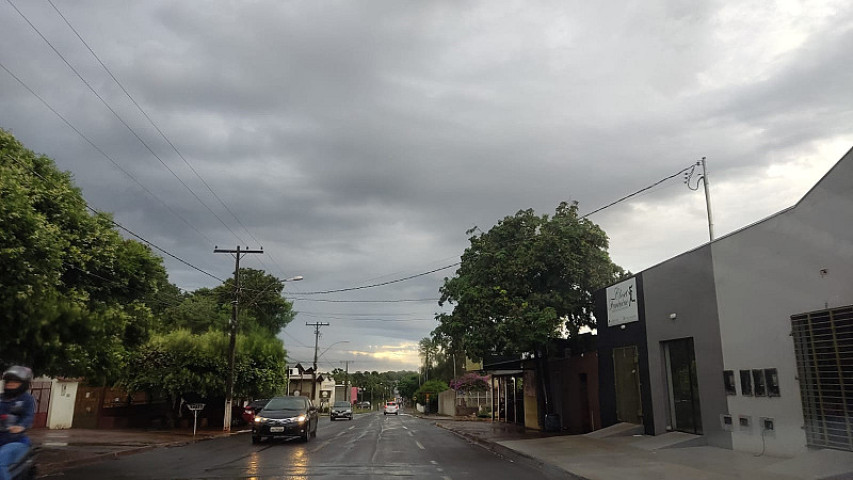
372,446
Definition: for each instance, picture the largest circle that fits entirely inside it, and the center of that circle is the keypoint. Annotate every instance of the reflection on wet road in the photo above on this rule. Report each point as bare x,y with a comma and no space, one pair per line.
370,446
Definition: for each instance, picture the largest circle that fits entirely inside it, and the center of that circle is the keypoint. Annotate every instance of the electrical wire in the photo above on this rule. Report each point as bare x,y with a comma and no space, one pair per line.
150,120
626,197
104,154
389,282
123,122
416,300
147,242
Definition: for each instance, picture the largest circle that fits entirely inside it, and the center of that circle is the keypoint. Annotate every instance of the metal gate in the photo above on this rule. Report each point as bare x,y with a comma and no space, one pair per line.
41,393
823,342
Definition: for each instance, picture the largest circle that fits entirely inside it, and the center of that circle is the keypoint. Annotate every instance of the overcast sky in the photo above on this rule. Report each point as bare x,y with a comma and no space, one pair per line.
357,141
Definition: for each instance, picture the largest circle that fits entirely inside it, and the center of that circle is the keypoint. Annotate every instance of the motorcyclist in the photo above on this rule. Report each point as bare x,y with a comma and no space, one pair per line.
17,408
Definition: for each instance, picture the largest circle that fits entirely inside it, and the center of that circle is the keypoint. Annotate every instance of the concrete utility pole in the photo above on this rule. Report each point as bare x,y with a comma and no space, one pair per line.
316,326
232,343
707,200
703,177
346,379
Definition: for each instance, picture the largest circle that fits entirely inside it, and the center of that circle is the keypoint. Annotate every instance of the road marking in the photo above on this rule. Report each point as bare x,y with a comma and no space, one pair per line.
433,462
405,427
419,445
350,428
411,434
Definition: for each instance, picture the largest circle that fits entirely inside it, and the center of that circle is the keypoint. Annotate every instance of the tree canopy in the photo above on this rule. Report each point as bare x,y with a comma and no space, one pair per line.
181,363
528,279
73,292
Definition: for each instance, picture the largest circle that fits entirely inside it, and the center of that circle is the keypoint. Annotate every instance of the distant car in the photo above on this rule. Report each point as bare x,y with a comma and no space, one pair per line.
286,417
340,410
252,408
391,408
364,405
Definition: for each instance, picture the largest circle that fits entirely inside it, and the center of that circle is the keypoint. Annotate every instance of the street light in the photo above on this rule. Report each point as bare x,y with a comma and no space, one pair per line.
232,345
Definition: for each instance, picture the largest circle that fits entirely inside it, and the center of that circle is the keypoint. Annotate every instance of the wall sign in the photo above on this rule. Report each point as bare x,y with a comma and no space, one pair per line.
622,303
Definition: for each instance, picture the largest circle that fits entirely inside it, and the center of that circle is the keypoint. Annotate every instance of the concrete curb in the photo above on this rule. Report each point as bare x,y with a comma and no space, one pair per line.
513,455
51,469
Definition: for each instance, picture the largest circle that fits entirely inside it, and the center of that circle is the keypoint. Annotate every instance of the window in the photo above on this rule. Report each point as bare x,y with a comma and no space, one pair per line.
772,379
758,381
745,382
729,382
824,347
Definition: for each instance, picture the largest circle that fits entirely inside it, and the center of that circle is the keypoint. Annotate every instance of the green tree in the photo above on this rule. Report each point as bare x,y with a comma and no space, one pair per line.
73,292
431,388
197,312
427,350
260,301
528,279
408,385
182,364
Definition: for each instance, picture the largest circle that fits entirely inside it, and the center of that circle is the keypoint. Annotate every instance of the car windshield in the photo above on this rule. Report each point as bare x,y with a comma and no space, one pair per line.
286,403
341,404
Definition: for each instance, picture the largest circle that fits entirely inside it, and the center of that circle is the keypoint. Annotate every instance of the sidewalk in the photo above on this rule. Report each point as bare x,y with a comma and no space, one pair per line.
61,449
619,452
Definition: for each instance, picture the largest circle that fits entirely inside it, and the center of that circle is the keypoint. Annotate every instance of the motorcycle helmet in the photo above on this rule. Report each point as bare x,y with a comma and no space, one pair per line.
20,374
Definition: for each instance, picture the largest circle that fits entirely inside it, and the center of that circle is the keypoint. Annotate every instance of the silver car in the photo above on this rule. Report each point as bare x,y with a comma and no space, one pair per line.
340,410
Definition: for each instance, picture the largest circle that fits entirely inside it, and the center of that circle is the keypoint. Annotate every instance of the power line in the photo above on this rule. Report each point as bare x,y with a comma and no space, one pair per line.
410,277
626,197
151,121
123,122
147,242
416,300
104,154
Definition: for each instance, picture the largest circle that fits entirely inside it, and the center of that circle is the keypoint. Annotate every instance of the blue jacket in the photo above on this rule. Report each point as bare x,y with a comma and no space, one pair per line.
19,410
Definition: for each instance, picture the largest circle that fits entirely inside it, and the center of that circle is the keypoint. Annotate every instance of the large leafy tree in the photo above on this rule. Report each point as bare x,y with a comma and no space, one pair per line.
408,385
180,364
73,292
198,312
529,279
261,305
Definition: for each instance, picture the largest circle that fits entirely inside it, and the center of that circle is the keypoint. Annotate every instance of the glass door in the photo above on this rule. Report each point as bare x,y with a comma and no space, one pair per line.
684,411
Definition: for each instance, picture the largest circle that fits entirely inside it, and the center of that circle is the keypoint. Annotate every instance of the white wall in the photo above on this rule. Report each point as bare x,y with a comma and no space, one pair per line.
63,394
768,272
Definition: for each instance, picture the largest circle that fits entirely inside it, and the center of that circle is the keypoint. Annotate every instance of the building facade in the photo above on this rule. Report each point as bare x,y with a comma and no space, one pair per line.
745,341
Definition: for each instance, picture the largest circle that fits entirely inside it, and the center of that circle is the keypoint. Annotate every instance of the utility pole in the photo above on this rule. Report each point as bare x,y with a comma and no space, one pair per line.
232,343
703,177
346,379
316,326
707,200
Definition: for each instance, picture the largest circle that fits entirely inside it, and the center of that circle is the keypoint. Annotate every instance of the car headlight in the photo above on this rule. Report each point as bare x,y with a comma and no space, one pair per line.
259,419
301,418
